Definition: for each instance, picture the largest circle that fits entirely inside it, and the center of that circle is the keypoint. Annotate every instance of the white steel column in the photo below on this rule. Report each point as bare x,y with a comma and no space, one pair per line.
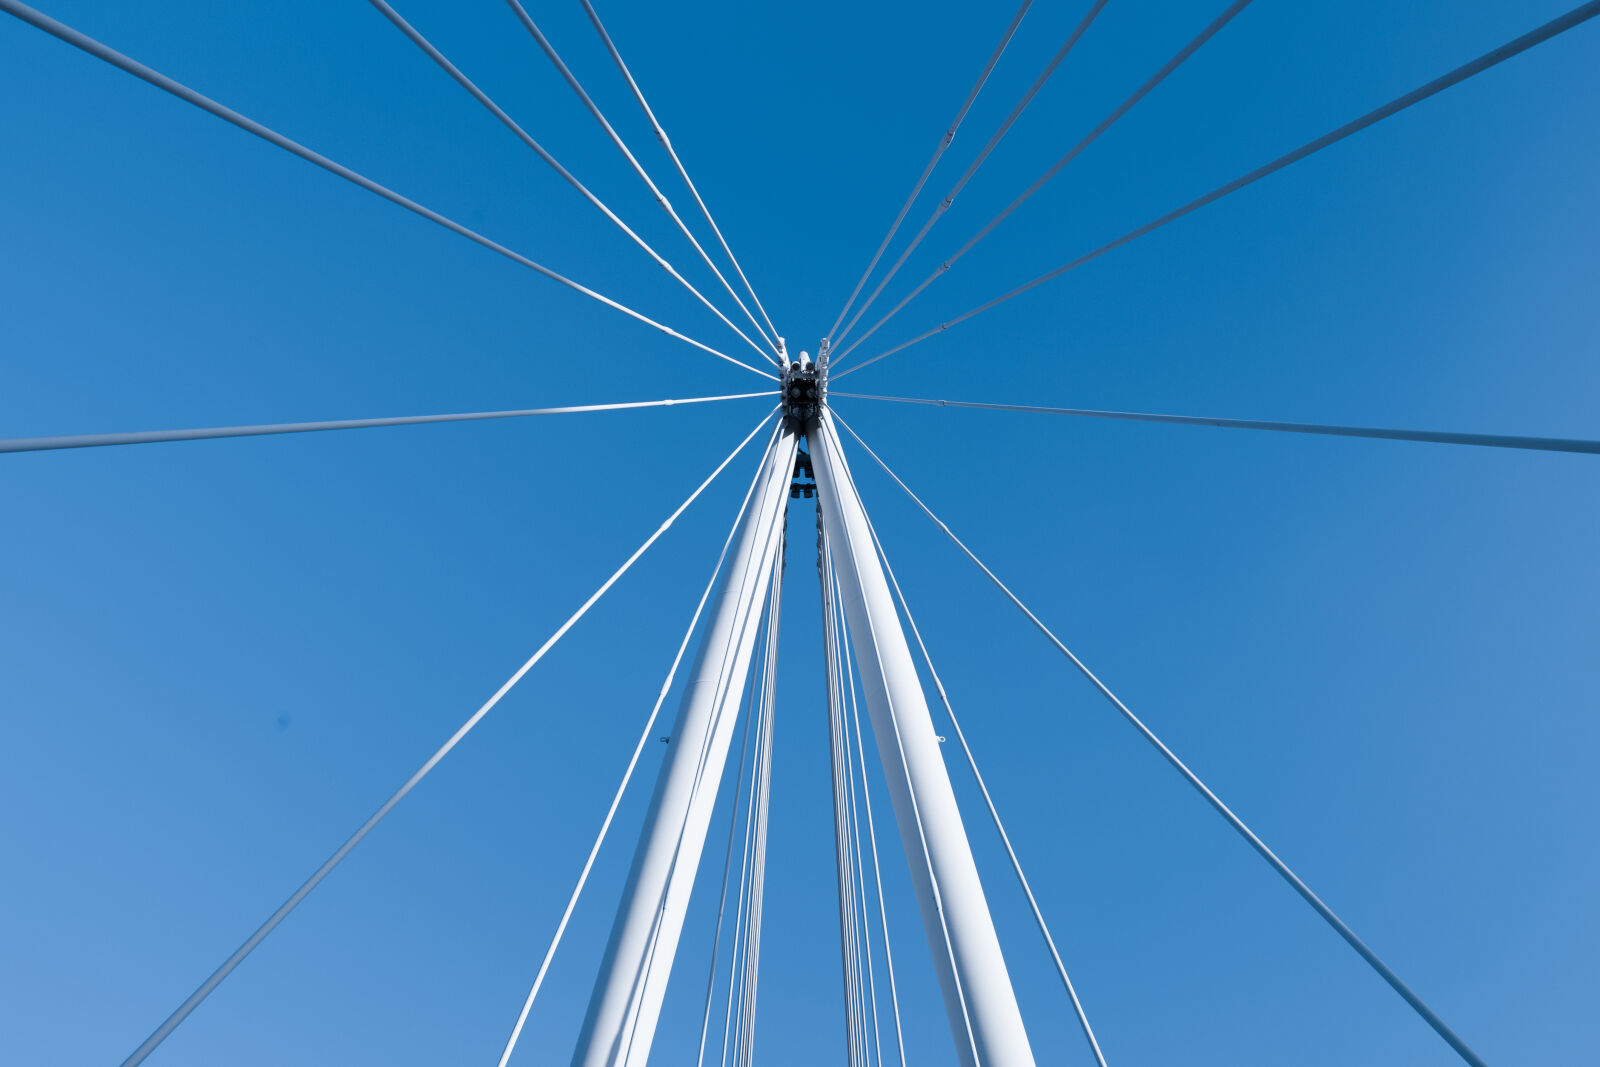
621,1020
955,915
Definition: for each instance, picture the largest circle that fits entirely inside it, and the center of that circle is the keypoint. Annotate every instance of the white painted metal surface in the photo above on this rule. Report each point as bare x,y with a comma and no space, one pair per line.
621,1021
955,915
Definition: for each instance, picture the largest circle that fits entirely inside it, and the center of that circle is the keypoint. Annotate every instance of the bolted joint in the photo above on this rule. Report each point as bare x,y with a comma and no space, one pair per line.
803,387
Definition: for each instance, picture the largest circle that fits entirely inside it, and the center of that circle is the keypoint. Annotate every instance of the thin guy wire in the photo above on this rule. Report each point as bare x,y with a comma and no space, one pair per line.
861,881
950,197
147,437
764,774
845,869
178,1016
1005,838
68,35
938,153
616,139
1542,444
922,837
1089,138
735,972
627,775
1555,26
511,124
1333,920
872,842
727,866
661,135
723,682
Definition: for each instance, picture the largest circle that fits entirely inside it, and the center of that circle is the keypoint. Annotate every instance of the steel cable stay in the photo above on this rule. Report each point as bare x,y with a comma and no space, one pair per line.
870,992
511,124
727,866
762,784
146,437
846,838
872,840
966,176
724,680
853,729
933,881
1383,970
227,967
938,153
62,32
1210,31
1491,440
1554,27
666,143
994,814
627,775
616,139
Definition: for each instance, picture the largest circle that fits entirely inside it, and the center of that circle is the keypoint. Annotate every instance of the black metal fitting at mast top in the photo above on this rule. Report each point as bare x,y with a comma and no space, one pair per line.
803,390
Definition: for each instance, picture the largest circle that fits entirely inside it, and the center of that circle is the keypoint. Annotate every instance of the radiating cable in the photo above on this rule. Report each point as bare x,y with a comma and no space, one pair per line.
727,866
861,882
966,176
841,836
1005,838
661,135
922,838
82,41
178,1016
938,153
146,437
1491,440
763,782
1550,29
1211,30
511,124
616,139
627,775
872,840
1428,1014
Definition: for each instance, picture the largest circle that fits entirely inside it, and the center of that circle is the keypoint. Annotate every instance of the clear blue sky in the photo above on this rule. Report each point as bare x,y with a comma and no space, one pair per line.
217,658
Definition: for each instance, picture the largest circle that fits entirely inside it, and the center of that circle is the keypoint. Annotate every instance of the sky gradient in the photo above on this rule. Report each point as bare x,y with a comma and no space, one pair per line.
217,658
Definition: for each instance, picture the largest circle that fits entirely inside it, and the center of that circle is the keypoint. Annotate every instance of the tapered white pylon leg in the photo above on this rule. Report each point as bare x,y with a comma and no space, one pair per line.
978,996
621,1021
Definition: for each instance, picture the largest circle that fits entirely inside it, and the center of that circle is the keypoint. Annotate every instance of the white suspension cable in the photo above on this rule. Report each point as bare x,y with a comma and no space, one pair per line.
146,437
938,153
843,840
81,41
1543,444
1555,26
727,866
762,783
735,972
933,881
627,775
1055,168
1428,1015
872,839
660,197
511,124
1005,838
724,680
871,991
178,1016
966,176
661,135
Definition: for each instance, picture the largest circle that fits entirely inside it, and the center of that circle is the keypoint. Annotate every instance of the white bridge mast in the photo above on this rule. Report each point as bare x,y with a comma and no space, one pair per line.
978,997
626,1003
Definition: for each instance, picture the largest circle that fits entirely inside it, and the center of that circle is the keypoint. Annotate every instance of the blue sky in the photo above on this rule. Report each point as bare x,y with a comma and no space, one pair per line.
217,658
